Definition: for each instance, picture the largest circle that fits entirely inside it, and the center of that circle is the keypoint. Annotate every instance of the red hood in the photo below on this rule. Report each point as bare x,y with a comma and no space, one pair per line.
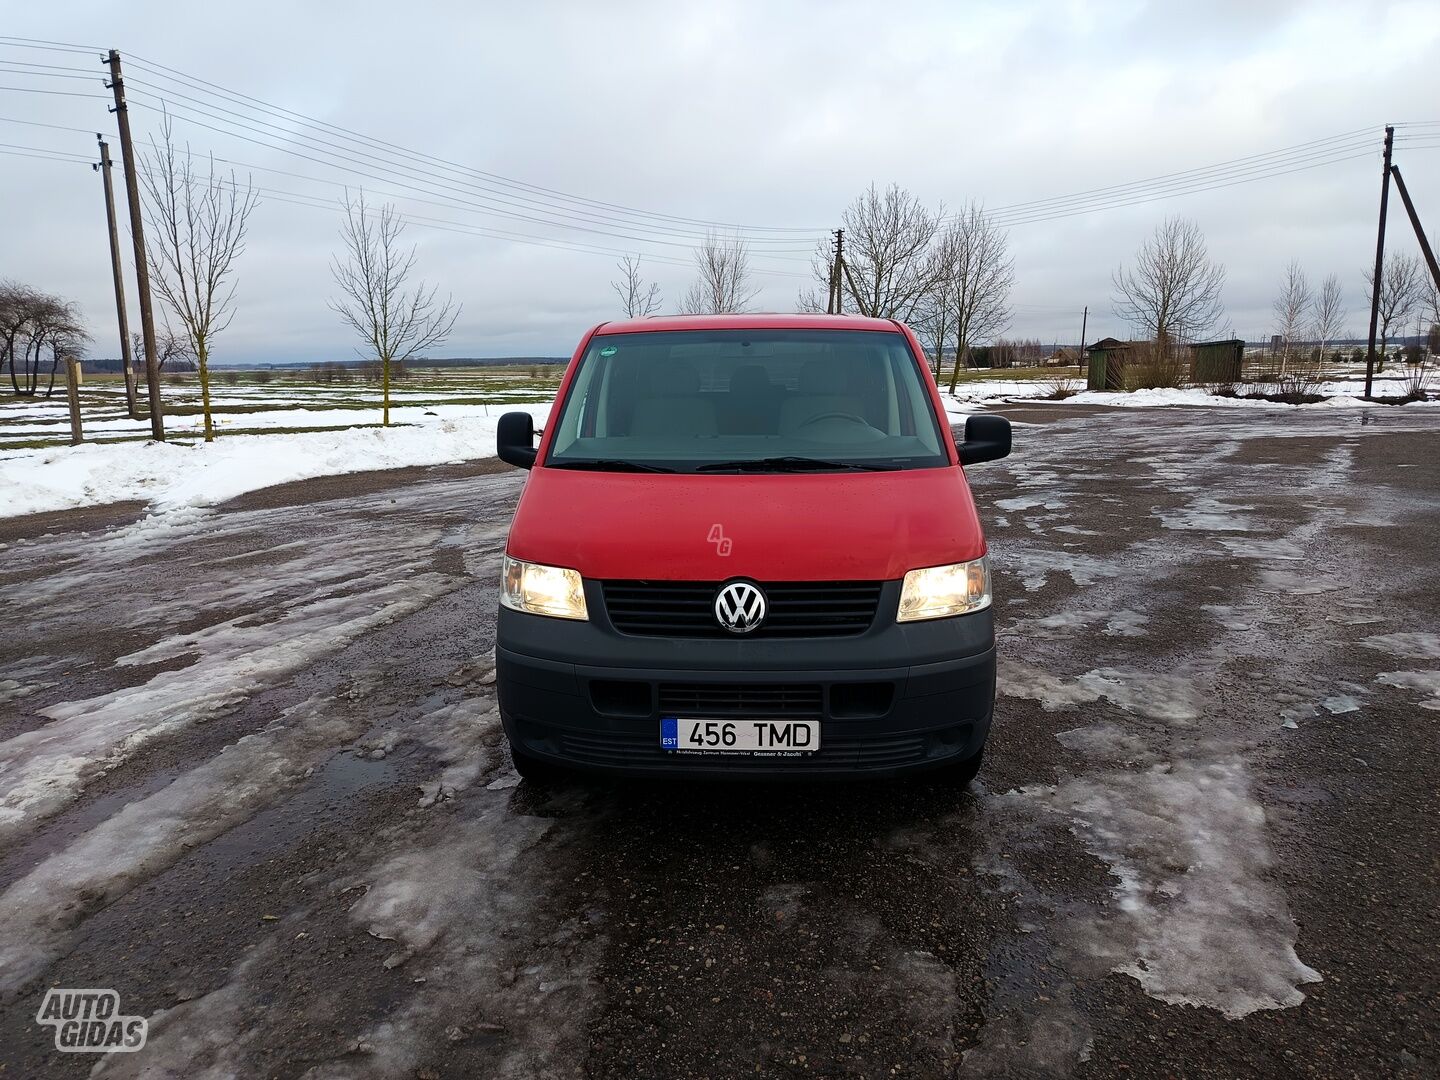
779,527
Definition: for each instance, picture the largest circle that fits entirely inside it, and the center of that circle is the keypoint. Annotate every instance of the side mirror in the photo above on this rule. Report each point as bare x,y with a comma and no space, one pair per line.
515,439
987,438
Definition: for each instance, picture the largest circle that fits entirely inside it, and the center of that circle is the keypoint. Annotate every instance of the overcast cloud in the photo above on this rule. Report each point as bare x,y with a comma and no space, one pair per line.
768,115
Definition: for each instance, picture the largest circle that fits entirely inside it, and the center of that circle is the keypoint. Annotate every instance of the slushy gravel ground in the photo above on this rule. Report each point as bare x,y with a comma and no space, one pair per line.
252,778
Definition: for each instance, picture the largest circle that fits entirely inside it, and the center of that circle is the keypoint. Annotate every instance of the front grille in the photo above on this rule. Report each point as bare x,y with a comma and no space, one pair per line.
761,700
635,748
796,608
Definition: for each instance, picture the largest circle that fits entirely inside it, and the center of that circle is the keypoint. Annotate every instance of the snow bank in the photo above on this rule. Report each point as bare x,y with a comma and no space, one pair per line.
171,475
1148,399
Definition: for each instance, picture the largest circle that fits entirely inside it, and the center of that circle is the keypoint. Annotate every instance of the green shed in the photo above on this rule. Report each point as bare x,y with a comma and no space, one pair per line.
1216,361
1107,364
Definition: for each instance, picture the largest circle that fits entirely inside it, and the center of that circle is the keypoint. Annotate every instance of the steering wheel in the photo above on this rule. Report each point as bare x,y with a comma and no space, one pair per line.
835,416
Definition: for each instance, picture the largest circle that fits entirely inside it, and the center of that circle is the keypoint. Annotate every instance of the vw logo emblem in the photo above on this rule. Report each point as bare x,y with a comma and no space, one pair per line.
740,607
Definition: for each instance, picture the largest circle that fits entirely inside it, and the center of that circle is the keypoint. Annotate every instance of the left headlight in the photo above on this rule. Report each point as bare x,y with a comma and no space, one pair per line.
542,590
938,591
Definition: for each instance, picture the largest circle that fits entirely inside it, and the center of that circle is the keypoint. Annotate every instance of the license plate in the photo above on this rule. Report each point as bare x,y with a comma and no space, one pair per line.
777,738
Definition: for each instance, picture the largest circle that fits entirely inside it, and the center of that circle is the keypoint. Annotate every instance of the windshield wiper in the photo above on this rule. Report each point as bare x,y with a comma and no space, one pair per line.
608,465
791,464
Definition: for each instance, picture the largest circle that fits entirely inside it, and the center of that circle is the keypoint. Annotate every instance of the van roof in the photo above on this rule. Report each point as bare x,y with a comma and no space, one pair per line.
757,321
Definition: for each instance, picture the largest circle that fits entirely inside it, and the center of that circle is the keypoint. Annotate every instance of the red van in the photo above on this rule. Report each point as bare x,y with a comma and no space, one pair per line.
746,547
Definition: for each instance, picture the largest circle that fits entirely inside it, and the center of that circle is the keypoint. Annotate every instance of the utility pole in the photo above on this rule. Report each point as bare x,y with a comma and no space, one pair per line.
834,304
830,285
1084,325
137,232
104,169
1425,248
1379,262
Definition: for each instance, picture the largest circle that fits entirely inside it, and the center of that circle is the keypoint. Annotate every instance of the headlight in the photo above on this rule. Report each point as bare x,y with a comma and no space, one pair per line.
542,590
938,591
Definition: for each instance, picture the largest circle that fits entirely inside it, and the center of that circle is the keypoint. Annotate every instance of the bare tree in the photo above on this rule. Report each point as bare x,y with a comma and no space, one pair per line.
196,227
888,264
34,326
1292,309
17,308
1430,313
974,254
393,320
172,352
1173,291
724,284
934,318
808,300
59,330
636,297
1328,312
1402,289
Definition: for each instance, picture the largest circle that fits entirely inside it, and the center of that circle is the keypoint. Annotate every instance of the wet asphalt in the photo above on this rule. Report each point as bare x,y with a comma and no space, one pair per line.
1206,842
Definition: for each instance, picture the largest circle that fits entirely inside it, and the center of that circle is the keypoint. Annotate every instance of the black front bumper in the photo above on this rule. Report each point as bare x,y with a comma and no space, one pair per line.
897,698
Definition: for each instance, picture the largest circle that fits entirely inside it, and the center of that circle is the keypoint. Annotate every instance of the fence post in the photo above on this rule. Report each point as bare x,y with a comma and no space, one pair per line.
72,392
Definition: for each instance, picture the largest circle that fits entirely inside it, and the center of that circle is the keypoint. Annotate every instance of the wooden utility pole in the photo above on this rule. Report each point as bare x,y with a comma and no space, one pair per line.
1425,248
125,364
137,233
833,304
1084,325
1379,262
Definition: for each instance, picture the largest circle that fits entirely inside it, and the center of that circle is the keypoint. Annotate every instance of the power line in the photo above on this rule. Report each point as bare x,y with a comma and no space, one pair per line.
55,93
584,216
369,160
49,46
1220,166
1143,198
475,205
400,177
203,86
37,123
316,203
1258,166
53,155
51,67
661,224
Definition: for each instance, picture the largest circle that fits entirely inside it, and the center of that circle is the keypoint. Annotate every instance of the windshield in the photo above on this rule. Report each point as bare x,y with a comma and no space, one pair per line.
747,401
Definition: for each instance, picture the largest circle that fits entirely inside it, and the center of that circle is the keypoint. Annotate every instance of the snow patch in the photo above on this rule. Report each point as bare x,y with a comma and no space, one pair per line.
1106,742
1208,515
1169,698
1413,646
174,474
39,912
1198,920
1427,682
1263,549
44,769
458,908
1030,502
1036,567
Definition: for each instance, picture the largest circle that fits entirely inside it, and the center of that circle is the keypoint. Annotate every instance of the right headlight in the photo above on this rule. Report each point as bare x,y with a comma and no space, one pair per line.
939,591
542,590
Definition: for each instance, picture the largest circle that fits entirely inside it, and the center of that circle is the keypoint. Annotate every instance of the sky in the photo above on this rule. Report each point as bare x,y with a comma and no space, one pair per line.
530,146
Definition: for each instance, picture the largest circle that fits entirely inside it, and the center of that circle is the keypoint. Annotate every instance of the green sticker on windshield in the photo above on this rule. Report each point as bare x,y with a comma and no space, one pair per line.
609,350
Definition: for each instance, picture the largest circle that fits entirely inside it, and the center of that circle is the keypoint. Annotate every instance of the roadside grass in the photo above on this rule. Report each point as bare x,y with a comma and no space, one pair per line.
184,438
47,444
1024,374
